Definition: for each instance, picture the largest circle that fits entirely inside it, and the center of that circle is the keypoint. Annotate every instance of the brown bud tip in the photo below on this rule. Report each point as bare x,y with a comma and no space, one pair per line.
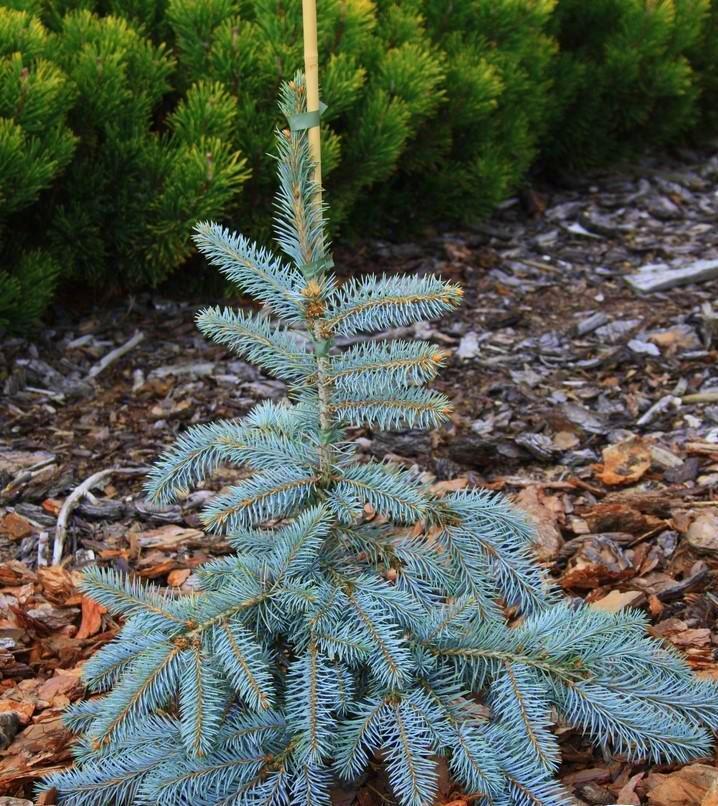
315,309
312,290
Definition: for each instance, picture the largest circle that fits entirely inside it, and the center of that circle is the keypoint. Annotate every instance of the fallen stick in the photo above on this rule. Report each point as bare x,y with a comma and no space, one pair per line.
572,483
25,476
113,355
518,481
76,496
666,402
710,396
701,447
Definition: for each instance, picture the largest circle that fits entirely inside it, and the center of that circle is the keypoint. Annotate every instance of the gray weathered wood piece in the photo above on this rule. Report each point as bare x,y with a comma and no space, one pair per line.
660,278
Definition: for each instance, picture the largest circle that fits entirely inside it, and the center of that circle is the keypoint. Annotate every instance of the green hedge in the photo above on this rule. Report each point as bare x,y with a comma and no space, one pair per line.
622,79
704,59
124,121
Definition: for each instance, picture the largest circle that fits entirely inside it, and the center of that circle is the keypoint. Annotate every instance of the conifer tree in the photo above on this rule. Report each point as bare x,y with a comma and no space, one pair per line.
330,637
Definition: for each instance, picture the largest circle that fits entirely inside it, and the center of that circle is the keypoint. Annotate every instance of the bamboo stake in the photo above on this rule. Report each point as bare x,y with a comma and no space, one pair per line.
311,76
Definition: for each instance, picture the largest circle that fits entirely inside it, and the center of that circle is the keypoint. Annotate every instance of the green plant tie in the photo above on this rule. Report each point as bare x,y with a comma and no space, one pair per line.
306,120
322,348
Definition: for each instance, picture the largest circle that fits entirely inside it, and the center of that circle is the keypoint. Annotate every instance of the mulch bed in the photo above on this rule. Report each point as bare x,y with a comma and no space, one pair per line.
595,407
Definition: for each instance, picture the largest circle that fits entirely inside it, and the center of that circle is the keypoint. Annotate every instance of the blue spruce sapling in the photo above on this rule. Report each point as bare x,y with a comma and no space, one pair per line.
329,639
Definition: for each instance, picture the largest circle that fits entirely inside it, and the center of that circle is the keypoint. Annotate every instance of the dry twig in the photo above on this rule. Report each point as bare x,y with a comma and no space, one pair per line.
76,496
113,355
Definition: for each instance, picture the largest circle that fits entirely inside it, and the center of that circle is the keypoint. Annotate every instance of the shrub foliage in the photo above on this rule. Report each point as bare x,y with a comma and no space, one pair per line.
477,146
622,77
422,629
35,145
704,59
123,122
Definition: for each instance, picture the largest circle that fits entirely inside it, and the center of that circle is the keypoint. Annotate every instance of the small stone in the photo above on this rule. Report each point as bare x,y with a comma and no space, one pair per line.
593,322
663,459
468,346
702,534
643,347
9,726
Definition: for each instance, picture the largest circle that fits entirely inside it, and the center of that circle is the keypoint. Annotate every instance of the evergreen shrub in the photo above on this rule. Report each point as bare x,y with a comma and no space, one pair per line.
36,143
360,617
622,81
158,113
128,199
704,59
478,146
381,78
84,162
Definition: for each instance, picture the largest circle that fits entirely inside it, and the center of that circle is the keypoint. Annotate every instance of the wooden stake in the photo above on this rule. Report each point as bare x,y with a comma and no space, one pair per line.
311,76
